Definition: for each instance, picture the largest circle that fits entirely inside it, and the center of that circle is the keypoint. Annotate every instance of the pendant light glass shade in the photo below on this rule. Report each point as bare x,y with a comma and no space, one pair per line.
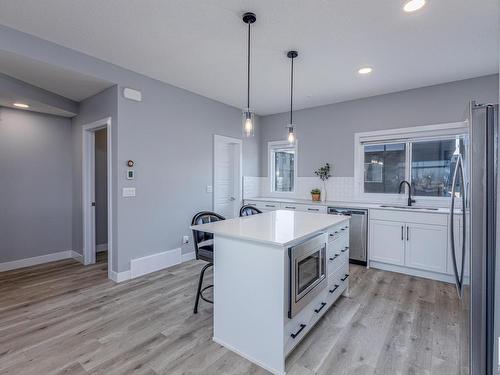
248,122
292,137
247,114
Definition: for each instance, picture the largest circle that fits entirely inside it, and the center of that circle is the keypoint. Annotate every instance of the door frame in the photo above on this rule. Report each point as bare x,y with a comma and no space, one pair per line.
88,190
228,140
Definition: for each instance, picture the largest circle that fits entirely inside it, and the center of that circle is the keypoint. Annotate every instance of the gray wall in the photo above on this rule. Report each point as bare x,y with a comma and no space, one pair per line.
169,135
98,107
326,134
35,184
101,186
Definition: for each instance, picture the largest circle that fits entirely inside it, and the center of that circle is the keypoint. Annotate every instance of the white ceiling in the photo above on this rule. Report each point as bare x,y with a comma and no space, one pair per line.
200,45
70,84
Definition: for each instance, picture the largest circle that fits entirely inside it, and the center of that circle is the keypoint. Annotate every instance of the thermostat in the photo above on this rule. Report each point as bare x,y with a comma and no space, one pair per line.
130,174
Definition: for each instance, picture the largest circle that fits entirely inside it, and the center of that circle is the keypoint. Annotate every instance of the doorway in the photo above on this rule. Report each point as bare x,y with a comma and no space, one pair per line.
97,191
227,194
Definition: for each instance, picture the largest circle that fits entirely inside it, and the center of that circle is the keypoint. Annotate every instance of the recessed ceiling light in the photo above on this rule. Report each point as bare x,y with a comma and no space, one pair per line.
21,105
365,70
413,5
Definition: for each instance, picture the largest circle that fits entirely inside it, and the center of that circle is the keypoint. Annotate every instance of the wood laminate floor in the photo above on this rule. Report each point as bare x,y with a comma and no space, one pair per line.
64,318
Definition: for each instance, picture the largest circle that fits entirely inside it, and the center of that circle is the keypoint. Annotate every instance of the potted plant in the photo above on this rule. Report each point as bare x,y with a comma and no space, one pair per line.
324,174
316,195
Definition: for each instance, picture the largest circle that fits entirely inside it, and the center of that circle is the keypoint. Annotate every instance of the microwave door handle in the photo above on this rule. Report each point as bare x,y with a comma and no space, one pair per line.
452,229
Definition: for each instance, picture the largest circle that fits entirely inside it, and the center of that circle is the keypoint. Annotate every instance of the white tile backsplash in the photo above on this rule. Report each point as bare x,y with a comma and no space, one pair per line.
338,188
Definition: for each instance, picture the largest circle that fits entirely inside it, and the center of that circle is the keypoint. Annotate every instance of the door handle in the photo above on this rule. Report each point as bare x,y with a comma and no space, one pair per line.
294,335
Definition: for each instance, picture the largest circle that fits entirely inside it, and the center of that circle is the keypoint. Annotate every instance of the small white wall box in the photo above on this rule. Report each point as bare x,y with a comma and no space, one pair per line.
128,192
130,174
132,94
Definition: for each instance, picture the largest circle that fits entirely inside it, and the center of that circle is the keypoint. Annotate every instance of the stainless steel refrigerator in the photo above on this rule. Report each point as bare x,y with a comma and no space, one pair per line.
472,227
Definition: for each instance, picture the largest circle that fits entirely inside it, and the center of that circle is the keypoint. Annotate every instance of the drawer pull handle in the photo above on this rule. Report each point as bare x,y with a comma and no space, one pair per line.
342,228
313,209
323,304
293,208
336,232
334,289
294,335
345,277
344,250
334,257
270,205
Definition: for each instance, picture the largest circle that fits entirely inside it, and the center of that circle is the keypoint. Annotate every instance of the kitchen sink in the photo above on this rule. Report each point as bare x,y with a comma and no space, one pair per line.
410,207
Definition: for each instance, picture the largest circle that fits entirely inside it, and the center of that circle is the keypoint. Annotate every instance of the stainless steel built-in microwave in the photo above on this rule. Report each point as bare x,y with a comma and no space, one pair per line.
307,272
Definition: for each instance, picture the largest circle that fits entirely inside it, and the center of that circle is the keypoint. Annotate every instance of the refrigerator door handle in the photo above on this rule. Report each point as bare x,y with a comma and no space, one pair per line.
458,279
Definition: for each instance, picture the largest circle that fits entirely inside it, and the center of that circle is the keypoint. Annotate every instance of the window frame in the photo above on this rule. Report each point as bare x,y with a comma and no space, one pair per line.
271,147
401,135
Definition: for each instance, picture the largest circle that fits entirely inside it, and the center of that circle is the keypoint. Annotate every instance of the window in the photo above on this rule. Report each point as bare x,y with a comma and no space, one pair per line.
432,166
425,156
282,158
384,167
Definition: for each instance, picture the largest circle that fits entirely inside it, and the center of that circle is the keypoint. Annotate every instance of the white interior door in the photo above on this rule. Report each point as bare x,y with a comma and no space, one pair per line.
227,176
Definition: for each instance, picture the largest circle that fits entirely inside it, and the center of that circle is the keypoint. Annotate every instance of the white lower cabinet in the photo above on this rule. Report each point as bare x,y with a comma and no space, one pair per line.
387,242
418,247
426,247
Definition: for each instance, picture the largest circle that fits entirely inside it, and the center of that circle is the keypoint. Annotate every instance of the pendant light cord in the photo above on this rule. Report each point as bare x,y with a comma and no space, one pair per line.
291,95
248,70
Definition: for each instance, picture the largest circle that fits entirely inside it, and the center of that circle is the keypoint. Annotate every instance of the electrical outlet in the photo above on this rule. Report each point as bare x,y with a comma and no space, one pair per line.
185,239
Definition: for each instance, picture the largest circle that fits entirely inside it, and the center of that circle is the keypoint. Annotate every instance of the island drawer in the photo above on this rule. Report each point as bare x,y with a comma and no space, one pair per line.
336,258
296,329
338,232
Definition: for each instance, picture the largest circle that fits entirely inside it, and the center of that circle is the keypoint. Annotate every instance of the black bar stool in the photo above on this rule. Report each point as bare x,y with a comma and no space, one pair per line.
204,249
248,210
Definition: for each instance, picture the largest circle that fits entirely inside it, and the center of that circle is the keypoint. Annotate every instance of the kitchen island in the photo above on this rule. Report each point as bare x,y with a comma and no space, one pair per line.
275,275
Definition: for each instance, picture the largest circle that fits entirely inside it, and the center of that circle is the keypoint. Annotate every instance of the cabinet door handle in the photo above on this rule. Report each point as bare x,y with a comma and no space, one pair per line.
313,209
334,288
345,277
407,233
344,250
402,238
294,335
290,207
334,257
323,304
270,205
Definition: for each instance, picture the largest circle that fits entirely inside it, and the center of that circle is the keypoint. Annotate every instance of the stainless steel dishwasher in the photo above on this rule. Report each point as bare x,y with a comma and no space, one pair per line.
358,232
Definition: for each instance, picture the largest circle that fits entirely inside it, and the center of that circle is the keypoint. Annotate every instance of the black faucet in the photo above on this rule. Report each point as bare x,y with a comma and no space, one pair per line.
410,201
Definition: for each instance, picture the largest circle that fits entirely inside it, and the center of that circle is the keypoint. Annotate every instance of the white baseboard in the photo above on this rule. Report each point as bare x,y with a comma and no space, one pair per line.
15,264
77,256
413,272
101,247
118,277
188,256
155,262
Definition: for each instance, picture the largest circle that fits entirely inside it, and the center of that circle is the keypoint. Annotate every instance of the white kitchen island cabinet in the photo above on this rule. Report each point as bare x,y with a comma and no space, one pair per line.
257,263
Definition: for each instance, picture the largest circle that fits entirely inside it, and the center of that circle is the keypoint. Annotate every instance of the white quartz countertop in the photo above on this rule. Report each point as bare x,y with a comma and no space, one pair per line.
357,204
281,227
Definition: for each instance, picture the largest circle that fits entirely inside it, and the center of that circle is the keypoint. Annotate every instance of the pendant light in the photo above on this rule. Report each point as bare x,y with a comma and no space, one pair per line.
248,114
291,132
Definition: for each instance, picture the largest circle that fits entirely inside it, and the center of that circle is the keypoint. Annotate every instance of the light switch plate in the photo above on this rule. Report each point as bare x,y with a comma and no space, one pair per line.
128,192
209,189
